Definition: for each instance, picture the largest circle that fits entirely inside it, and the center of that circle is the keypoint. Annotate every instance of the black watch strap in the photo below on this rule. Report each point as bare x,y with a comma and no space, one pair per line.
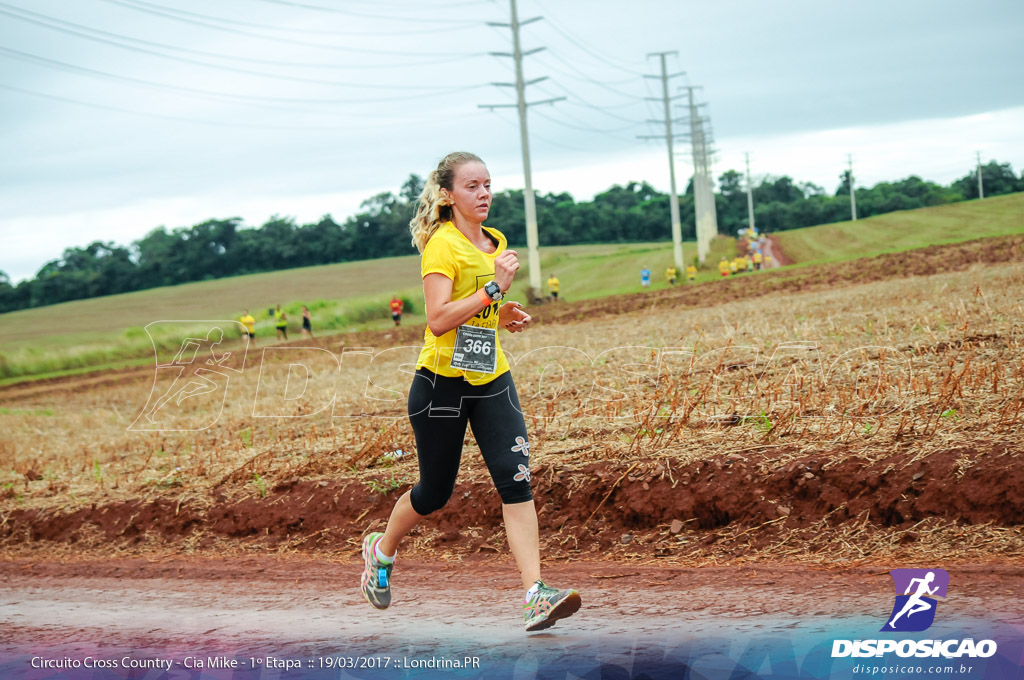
493,290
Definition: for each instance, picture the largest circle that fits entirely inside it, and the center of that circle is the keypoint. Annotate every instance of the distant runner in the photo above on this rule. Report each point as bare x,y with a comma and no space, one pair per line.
553,287
645,277
723,267
396,309
670,275
281,322
307,322
249,321
691,273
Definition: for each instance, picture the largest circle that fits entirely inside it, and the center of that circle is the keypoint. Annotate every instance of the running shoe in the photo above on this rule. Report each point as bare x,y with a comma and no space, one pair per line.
376,583
548,605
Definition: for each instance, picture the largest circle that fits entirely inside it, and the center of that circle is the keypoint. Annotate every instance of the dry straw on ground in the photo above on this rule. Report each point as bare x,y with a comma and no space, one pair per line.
920,366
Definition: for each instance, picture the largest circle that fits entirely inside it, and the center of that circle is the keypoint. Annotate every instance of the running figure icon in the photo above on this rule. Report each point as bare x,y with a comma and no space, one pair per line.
916,603
192,376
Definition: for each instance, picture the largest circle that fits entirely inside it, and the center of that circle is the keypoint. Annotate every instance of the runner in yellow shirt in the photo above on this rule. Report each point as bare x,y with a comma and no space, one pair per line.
249,322
670,275
281,323
723,266
691,273
553,287
757,259
462,377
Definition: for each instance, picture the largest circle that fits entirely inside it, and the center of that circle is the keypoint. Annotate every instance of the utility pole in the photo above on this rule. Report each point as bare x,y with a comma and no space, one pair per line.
705,214
707,137
677,231
853,199
750,196
532,241
981,189
697,148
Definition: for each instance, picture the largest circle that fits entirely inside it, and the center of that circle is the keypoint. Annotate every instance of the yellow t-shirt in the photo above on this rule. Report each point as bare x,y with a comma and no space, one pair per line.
691,271
450,253
249,322
553,284
670,273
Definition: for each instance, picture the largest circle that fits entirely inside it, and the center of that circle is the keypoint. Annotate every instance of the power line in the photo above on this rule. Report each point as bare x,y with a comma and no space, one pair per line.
565,34
53,63
533,135
605,86
232,124
288,41
610,132
577,100
47,21
160,116
186,60
336,10
306,31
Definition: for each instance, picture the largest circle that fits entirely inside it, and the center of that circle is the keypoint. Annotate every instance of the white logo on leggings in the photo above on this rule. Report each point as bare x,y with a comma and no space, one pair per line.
523,474
522,446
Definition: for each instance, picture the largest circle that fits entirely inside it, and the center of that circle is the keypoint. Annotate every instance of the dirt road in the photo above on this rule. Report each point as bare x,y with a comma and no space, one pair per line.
309,610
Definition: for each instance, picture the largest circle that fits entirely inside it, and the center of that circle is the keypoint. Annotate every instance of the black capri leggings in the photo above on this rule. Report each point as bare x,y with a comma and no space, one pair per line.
439,408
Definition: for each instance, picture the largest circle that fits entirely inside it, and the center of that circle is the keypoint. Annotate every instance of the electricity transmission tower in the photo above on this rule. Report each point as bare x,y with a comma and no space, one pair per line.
705,211
853,199
677,232
750,196
981,188
530,205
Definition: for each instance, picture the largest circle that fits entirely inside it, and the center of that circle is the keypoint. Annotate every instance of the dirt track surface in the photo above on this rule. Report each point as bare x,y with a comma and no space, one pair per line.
609,508
312,606
774,250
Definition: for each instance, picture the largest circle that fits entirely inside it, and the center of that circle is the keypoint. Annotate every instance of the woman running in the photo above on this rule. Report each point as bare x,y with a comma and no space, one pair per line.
462,377
307,322
281,322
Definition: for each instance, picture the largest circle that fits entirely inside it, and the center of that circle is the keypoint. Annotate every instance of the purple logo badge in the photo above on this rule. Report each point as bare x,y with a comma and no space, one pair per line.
915,606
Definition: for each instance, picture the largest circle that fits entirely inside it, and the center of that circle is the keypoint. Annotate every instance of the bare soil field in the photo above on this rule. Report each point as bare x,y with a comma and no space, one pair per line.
862,413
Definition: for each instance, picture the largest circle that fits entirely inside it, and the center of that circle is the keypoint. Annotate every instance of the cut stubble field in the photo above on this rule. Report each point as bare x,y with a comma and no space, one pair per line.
809,421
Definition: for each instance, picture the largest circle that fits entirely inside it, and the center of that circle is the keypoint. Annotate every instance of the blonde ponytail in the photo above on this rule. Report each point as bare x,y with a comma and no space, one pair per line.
433,209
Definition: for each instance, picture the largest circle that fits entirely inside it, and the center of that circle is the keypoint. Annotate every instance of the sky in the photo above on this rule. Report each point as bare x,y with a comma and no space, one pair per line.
120,116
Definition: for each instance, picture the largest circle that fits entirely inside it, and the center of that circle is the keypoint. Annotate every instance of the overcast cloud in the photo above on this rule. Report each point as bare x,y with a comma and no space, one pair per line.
122,115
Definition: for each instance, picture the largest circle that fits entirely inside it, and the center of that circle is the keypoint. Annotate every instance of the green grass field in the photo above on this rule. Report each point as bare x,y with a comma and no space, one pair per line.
905,230
108,332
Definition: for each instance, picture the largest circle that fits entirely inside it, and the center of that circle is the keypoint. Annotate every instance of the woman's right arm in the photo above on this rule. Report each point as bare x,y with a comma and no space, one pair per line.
443,313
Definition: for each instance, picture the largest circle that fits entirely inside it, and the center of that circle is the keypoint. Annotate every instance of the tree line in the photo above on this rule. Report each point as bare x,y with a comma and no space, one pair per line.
634,212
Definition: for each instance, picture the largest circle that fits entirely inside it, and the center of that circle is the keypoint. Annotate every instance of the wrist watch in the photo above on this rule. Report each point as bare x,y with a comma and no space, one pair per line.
493,291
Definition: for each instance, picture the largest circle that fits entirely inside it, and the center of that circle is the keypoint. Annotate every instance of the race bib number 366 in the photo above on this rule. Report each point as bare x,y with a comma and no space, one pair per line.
476,349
